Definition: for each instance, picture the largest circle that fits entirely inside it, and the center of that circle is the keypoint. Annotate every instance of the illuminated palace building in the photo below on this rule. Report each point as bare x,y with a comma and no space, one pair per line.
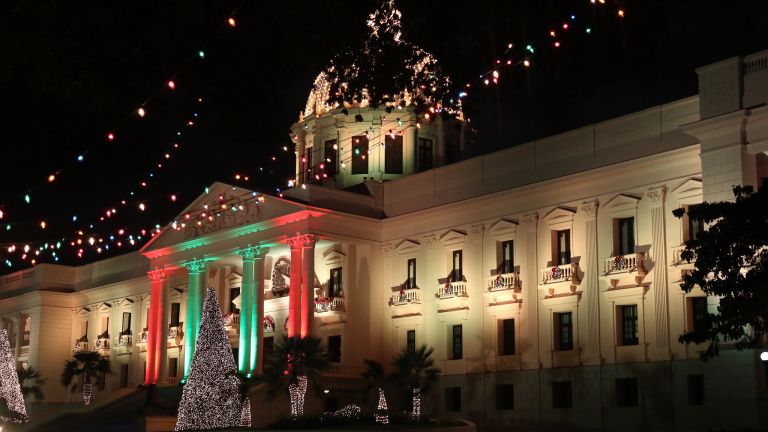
546,276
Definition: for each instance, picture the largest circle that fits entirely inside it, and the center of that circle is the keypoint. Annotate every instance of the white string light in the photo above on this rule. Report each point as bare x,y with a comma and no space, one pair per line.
416,403
381,414
87,393
210,399
297,391
9,383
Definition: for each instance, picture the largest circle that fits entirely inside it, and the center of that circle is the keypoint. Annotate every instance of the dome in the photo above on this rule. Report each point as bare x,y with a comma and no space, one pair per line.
385,71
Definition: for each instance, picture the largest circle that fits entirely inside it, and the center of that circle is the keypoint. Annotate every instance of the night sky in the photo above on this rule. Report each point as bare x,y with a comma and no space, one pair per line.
72,72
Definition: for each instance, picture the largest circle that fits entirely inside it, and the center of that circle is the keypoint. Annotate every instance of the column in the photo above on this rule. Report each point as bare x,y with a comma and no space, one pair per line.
294,299
529,272
246,302
17,327
156,336
659,256
590,283
257,311
196,269
307,284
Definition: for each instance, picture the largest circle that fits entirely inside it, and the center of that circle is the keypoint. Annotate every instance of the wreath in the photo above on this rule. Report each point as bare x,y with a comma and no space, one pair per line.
269,323
556,272
499,281
618,262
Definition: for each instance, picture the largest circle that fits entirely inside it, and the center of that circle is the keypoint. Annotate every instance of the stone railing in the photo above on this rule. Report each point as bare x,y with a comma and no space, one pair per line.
143,336
102,344
125,340
622,263
405,297
175,331
452,289
561,273
232,319
80,345
676,258
326,304
506,281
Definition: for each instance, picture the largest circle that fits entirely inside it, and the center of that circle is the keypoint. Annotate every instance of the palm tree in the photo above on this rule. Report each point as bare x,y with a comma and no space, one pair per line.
375,379
31,382
415,371
294,362
247,383
89,365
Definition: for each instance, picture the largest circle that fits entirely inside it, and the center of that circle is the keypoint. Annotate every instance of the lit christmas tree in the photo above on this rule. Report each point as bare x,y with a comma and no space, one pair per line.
12,409
211,399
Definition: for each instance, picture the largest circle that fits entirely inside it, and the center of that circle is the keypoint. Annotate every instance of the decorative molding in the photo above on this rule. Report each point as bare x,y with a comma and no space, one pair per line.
503,226
453,237
689,188
430,241
589,208
558,215
251,253
477,230
333,257
158,274
656,195
530,219
408,246
621,203
196,265
386,250
302,240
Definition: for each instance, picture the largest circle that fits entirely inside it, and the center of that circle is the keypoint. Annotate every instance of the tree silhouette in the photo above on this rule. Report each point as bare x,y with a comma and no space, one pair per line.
294,362
31,382
415,371
88,365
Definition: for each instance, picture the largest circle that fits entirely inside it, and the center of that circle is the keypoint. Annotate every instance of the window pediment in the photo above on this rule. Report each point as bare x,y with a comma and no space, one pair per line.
234,279
622,203
407,247
104,307
333,257
124,303
82,311
689,188
453,237
502,227
559,215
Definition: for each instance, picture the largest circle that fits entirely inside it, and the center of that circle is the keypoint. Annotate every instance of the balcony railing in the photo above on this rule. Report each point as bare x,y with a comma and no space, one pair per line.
102,344
125,340
143,336
452,289
232,320
560,273
506,281
622,263
405,297
326,304
80,345
676,256
175,331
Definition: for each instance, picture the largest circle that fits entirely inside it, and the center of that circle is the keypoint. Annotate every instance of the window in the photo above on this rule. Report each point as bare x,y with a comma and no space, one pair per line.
331,158
84,328
269,345
175,311
360,154
624,236
233,294
456,345
393,154
696,389
628,318
334,285
126,327
334,349
506,337
425,155
626,392
411,281
410,341
457,274
104,325
507,264
505,397
699,313
563,332
561,247
695,226
173,367
452,399
562,396
124,375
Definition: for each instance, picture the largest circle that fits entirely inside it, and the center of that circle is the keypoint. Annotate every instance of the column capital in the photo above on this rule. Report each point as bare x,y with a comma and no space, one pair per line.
158,274
195,265
250,253
656,195
589,208
302,240
530,219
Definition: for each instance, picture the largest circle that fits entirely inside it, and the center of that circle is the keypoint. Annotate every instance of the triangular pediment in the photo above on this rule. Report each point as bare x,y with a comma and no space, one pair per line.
559,214
691,187
104,307
503,226
82,311
452,237
220,211
407,246
621,202
332,257
126,302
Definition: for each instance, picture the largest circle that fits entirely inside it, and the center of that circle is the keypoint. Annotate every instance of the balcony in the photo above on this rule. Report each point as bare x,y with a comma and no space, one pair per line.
81,344
125,340
232,320
405,297
676,258
504,282
102,345
623,264
329,304
451,290
175,334
560,273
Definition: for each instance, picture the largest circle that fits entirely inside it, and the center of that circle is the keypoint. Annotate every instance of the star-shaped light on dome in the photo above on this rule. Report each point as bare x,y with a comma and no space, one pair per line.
386,20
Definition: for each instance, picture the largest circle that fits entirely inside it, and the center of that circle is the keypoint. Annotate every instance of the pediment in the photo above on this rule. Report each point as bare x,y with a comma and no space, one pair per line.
407,247
244,208
332,257
82,311
689,188
234,277
621,202
558,215
453,237
503,226
104,307
126,302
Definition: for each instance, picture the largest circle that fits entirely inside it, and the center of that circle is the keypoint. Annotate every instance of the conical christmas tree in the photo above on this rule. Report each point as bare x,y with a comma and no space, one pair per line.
210,399
12,409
